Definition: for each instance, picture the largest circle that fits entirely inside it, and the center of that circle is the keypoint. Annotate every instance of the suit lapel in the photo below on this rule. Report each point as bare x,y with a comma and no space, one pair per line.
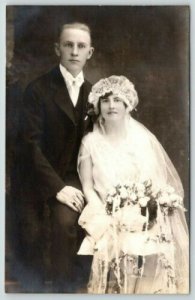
61,97
63,100
86,120
86,90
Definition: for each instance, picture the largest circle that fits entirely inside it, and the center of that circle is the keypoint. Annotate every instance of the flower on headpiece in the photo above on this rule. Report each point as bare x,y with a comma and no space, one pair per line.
117,85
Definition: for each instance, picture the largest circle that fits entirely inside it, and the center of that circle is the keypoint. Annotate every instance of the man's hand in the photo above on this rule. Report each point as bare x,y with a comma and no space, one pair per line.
72,197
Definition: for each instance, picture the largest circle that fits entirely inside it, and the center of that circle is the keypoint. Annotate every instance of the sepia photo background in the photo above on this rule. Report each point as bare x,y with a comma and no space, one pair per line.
149,45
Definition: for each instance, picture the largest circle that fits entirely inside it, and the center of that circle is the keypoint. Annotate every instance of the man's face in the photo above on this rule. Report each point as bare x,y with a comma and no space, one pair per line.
74,49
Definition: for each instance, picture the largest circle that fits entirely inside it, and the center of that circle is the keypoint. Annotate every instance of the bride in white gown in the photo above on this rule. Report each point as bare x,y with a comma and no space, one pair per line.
134,217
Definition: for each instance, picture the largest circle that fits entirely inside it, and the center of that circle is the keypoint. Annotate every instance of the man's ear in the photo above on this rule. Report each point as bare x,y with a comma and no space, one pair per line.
91,50
57,49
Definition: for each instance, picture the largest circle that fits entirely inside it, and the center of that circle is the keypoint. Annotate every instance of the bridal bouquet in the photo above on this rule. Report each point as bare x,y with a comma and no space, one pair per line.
169,200
135,203
129,195
128,203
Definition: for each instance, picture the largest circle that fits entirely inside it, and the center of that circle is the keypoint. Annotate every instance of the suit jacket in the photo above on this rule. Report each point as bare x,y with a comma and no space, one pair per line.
48,134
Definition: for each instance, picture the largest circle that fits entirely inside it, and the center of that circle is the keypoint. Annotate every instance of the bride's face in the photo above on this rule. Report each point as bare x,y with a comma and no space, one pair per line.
112,108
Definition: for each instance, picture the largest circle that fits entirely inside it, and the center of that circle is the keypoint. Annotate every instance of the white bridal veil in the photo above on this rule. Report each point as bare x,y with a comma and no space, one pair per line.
152,162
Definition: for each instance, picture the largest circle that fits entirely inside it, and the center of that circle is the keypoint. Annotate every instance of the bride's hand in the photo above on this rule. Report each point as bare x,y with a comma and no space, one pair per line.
72,197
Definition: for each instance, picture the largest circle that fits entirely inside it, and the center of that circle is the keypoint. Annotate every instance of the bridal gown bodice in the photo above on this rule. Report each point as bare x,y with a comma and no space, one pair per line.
113,164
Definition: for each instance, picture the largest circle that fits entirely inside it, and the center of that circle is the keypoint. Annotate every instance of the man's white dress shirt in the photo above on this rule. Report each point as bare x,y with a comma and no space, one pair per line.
73,83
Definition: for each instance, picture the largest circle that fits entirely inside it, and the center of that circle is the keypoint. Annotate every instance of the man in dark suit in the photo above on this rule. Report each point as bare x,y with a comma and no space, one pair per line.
53,121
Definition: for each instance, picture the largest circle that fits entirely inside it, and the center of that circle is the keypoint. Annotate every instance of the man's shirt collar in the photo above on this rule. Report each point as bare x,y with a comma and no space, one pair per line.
69,79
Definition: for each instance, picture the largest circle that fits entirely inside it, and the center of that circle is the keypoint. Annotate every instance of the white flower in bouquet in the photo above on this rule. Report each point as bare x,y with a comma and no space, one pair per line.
123,192
144,201
154,194
163,198
140,194
112,191
169,189
133,196
175,204
176,200
173,197
169,201
109,199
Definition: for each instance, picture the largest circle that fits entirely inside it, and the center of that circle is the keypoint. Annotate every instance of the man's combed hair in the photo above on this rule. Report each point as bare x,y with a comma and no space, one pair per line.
74,25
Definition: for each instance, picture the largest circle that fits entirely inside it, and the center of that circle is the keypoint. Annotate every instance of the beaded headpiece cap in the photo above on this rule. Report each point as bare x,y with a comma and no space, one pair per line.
117,85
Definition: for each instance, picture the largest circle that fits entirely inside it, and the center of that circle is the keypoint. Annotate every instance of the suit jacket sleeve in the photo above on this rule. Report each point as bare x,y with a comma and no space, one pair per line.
48,182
